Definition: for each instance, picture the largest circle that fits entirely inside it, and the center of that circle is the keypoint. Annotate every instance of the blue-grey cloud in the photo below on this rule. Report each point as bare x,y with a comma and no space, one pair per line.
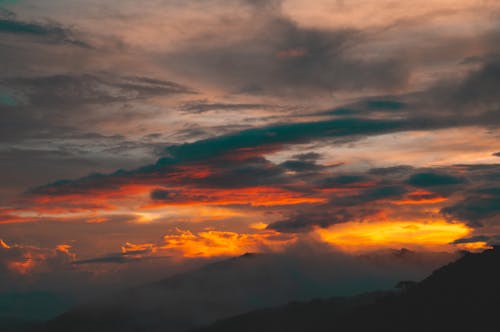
490,239
431,179
49,31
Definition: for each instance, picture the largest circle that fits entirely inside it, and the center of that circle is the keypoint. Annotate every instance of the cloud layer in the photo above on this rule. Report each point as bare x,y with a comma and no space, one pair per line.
147,136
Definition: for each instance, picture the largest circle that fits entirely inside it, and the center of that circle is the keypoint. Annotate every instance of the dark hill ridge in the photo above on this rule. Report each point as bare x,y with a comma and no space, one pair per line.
242,284
461,296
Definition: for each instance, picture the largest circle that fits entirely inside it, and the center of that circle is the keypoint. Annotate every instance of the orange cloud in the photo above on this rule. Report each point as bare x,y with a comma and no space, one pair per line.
97,220
474,246
108,194
363,236
32,216
65,249
12,219
4,245
26,259
63,203
258,225
23,266
131,248
213,243
254,196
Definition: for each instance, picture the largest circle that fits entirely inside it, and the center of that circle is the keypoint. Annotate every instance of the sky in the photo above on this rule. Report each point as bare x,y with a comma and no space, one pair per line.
135,135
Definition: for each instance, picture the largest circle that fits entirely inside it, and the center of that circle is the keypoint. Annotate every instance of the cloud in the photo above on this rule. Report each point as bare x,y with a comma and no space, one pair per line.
260,117
479,205
479,86
69,90
471,98
350,196
120,258
282,134
231,170
348,126
130,253
465,193
433,179
178,244
275,55
491,239
236,159
49,31
385,104
19,260
117,258
223,243
202,107
232,154
234,169
48,106
371,236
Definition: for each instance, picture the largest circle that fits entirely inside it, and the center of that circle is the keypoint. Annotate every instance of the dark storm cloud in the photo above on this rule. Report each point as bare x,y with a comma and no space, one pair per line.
481,87
354,207
301,165
380,192
116,259
284,134
478,205
430,179
160,194
309,156
490,239
480,201
247,146
277,56
48,31
477,195
361,196
472,100
202,107
401,170
342,180
251,172
236,160
385,104
121,258
371,107
304,221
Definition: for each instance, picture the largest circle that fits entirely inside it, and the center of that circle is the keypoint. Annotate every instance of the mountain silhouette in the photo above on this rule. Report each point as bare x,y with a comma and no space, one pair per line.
461,296
242,284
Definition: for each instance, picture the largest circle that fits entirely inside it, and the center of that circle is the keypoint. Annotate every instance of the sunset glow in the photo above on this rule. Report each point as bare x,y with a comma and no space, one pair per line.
355,236
217,243
139,140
